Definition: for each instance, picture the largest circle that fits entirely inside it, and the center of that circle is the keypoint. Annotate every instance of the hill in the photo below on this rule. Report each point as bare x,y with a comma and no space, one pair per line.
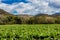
4,13
53,15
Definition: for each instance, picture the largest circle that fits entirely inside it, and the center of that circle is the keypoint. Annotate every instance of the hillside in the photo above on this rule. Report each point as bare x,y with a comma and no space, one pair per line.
4,13
53,15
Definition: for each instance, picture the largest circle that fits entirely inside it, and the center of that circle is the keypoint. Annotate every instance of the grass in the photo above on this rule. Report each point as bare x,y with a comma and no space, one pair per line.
30,32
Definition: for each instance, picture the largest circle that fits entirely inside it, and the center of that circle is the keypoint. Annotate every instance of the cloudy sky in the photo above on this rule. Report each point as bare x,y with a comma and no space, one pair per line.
30,7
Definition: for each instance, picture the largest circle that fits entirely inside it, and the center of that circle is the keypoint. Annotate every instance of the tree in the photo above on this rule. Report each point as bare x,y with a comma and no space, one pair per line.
17,20
44,20
10,20
50,20
57,20
31,20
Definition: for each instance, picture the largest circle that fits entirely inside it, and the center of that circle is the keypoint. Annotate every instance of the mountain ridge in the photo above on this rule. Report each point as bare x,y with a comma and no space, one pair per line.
4,13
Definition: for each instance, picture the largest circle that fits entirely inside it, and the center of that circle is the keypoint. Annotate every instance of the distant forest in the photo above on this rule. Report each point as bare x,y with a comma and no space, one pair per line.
8,18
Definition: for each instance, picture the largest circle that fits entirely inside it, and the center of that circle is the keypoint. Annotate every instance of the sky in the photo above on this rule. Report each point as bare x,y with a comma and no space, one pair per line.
30,7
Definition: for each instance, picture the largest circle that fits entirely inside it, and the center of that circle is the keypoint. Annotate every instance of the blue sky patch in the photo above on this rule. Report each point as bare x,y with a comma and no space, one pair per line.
13,1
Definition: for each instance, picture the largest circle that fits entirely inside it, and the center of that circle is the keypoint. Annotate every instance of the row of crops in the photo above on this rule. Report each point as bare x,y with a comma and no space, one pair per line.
30,32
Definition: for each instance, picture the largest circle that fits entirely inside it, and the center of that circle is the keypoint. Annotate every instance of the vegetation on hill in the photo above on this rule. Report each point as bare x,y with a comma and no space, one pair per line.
7,18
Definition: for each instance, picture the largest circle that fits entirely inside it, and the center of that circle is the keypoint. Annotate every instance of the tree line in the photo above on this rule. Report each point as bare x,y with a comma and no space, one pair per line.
29,20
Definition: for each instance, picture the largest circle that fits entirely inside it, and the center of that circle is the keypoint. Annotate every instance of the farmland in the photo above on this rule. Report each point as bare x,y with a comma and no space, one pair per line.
30,32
